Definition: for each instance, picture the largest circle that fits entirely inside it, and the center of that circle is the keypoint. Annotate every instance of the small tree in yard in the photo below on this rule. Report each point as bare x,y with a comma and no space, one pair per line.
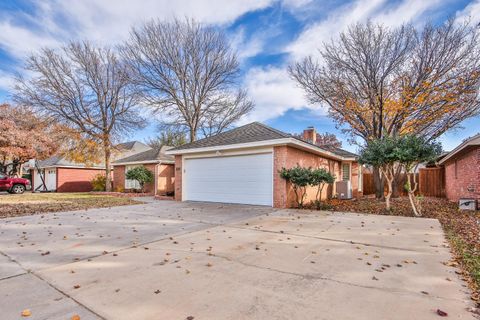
141,174
382,153
411,151
300,178
320,178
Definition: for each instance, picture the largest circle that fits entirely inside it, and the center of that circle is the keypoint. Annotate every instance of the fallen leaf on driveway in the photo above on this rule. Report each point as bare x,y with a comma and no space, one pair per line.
442,313
75,317
77,286
190,318
26,313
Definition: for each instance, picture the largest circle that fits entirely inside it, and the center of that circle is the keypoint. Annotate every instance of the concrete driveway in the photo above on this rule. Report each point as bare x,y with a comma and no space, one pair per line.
170,260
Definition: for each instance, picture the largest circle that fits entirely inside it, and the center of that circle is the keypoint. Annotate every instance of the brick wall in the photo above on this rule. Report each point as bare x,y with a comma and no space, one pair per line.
119,178
178,177
76,179
166,178
462,175
289,157
150,187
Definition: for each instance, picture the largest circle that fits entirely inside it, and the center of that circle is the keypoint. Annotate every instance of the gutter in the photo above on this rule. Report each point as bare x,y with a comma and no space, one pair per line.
264,143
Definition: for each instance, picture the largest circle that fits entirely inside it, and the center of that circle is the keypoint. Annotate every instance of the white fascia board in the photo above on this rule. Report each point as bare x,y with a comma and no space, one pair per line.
70,167
143,162
274,142
472,142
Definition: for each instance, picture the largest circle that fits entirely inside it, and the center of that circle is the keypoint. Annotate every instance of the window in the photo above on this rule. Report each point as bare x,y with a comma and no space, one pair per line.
346,171
131,184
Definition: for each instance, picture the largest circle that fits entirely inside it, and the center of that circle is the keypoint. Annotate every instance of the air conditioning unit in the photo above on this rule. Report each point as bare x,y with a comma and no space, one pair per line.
344,189
467,204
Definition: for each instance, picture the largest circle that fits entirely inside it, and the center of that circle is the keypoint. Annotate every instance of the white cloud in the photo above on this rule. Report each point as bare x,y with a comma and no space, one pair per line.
407,11
106,21
313,37
6,81
471,13
244,47
274,93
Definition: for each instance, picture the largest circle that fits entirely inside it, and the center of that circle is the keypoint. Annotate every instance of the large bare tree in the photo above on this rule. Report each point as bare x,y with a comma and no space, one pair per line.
382,81
189,72
85,88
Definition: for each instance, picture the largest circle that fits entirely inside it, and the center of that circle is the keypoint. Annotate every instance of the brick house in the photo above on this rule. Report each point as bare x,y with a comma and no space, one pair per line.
155,160
62,175
462,170
242,166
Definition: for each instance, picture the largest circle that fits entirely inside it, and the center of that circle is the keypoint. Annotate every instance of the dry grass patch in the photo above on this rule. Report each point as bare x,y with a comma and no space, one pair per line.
32,203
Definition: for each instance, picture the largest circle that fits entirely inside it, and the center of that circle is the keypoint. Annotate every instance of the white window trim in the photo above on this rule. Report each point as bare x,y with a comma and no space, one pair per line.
349,171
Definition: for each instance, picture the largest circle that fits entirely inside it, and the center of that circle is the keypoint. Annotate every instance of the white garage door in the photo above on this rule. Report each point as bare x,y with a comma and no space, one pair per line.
244,179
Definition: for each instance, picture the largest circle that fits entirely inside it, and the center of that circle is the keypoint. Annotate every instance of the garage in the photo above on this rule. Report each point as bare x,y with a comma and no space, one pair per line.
244,179
242,165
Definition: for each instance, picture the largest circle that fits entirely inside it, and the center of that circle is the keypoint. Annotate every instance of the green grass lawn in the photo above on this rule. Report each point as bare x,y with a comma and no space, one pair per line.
32,203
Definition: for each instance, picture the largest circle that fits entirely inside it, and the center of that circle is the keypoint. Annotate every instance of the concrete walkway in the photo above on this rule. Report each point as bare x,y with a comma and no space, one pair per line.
170,260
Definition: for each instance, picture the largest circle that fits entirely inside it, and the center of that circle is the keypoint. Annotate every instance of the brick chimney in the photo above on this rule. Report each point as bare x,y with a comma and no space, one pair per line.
310,135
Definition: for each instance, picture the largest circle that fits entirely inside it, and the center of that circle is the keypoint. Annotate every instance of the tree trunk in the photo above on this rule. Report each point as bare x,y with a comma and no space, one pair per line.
411,195
108,177
395,187
379,183
389,194
193,134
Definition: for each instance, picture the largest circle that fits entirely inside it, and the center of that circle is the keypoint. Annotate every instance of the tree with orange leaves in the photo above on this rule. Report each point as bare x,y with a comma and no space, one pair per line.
380,81
23,136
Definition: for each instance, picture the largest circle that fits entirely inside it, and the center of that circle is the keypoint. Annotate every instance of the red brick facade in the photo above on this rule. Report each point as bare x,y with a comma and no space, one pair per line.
285,156
76,179
178,178
165,178
289,157
462,175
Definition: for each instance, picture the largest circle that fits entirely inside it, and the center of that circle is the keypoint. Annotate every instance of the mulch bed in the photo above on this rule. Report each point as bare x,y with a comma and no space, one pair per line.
461,227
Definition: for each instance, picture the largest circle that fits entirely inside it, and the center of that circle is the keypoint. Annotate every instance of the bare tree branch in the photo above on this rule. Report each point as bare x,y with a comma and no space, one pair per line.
86,89
189,72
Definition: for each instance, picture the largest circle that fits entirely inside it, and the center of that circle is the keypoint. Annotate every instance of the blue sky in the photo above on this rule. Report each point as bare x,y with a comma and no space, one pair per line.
268,35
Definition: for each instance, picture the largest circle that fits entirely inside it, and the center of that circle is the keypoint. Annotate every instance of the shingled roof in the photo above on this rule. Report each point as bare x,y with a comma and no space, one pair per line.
254,132
153,155
60,161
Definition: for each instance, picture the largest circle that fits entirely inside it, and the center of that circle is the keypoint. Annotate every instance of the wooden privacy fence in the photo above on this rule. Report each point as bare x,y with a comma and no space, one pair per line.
431,183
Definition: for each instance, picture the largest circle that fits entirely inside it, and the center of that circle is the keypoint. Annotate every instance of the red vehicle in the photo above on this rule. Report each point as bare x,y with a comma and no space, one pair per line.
14,185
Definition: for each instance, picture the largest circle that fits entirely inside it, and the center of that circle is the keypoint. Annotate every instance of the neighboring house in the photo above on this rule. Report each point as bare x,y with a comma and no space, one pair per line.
126,149
242,166
155,160
462,170
62,175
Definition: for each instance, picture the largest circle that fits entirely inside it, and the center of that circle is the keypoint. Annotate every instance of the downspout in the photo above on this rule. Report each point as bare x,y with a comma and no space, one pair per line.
155,190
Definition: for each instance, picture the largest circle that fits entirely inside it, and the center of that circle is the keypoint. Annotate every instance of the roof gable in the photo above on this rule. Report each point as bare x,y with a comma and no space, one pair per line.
472,141
153,155
256,133
252,132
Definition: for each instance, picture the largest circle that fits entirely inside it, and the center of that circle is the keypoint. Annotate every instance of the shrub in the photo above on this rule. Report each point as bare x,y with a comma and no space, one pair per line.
300,178
99,182
320,178
141,174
